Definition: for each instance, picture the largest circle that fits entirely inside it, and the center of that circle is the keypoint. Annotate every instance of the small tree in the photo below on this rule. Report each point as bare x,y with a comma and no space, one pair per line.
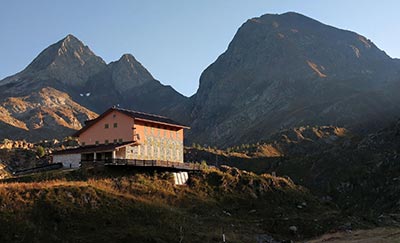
40,151
203,165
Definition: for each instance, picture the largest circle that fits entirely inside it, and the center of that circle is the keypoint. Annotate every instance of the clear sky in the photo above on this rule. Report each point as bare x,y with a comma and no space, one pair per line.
174,39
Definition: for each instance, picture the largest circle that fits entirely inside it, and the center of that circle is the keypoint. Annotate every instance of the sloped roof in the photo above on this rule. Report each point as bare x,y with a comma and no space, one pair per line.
134,114
150,117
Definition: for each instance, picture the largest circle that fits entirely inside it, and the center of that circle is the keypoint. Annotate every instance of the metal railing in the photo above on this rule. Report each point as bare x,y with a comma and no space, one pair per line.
143,163
41,168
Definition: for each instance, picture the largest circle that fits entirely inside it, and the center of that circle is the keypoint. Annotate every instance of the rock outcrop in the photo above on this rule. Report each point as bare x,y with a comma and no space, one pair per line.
43,114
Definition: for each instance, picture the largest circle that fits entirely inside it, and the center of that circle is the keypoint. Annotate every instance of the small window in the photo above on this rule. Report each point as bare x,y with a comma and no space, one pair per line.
115,125
114,115
106,126
97,142
83,143
115,140
120,140
106,141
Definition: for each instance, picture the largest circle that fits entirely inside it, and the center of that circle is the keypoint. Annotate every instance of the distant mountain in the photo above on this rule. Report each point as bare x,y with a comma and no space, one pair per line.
67,62
288,70
68,84
127,83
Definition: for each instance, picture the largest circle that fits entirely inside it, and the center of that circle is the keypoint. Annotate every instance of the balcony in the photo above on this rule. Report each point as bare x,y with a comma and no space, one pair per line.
142,163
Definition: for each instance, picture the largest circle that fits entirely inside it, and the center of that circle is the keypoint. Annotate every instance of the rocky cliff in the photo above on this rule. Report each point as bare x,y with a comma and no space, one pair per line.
288,70
46,113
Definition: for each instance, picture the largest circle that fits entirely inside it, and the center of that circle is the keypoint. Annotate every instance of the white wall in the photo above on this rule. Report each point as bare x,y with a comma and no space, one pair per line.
68,160
180,177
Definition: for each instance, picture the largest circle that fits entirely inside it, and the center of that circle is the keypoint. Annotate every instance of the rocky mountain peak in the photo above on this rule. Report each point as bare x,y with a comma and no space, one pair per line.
71,44
68,61
127,57
69,50
127,73
285,70
70,38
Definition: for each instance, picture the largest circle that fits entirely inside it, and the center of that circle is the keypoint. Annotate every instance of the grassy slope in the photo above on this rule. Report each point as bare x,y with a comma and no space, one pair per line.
97,207
360,173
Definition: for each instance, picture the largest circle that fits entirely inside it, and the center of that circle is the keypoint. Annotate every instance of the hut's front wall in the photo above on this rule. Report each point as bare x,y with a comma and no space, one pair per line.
68,160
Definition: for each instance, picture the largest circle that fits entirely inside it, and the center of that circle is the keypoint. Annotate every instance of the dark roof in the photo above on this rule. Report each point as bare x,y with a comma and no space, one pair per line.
93,148
150,117
134,114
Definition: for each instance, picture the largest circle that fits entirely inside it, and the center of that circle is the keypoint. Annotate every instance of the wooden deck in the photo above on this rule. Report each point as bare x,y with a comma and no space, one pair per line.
144,163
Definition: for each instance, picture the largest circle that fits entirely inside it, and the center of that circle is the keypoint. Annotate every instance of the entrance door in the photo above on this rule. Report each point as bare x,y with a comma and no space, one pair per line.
87,157
108,156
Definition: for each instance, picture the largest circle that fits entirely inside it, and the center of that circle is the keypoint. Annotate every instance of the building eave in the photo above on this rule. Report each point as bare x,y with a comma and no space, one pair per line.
94,148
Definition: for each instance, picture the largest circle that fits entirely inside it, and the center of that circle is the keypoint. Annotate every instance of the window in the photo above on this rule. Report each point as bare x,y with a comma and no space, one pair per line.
115,125
120,140
83,143
106,141
97,142
115,140
106,126
114,115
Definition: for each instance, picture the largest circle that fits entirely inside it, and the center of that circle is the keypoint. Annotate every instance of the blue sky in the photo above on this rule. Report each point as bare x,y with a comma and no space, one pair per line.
175,39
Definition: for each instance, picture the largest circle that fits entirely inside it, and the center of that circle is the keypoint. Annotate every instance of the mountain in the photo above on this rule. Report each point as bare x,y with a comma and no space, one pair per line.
42,114
288,70
68,62
67,84
128,83
279,72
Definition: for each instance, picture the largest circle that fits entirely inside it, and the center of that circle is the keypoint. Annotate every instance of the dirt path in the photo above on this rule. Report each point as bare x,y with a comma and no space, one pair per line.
378,235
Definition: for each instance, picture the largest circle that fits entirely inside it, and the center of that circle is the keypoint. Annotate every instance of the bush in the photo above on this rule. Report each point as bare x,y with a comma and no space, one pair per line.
40,151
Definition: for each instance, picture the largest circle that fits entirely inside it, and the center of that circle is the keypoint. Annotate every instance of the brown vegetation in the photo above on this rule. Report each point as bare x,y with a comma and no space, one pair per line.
94,206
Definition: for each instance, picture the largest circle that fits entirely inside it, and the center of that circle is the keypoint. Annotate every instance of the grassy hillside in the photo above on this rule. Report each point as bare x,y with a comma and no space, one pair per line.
116,206
359,173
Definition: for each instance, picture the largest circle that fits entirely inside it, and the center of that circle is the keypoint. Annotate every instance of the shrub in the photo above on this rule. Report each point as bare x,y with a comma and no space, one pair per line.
40,151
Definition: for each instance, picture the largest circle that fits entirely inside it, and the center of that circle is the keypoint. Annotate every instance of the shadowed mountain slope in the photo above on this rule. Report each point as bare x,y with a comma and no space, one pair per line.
288,70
